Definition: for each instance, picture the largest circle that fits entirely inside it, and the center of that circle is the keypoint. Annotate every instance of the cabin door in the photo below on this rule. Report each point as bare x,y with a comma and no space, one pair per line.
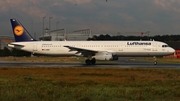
120,48
154,48
34,47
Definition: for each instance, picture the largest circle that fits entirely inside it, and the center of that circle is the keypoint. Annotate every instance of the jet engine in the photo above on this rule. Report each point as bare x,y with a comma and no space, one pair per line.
103,56
78,54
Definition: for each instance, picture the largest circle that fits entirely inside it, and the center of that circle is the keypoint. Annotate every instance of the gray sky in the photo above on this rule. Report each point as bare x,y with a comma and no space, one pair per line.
160,17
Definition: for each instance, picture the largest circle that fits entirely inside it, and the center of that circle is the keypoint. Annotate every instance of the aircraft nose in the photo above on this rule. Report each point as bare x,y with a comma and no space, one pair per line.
172,50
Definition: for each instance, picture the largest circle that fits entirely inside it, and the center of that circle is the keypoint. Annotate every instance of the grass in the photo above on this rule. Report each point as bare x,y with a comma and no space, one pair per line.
88,84
41,59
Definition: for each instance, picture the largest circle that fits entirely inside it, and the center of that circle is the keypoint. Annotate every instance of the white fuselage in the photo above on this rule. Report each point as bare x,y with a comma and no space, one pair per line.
119,48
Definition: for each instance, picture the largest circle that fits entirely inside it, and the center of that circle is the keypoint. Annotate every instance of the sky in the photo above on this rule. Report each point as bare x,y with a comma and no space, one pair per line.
160,17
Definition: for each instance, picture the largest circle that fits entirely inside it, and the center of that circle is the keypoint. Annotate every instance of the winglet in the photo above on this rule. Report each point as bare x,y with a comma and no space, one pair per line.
20,33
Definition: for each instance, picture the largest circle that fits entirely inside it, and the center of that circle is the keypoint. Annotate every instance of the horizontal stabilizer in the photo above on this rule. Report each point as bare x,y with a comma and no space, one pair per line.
15,45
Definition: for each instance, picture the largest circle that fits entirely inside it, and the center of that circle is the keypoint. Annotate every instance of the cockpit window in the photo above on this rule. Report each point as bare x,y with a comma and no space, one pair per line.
165,46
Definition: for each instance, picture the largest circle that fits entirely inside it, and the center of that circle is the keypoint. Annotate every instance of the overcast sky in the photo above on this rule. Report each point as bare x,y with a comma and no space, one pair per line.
160,17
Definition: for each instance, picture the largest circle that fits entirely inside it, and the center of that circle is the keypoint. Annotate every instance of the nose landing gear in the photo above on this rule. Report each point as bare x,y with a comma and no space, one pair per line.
155,62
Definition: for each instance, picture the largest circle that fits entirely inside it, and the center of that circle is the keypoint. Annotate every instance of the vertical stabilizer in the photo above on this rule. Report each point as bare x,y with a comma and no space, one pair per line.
20,33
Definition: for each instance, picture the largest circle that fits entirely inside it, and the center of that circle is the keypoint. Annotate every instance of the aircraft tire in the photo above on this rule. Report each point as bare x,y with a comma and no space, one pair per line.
88,62
155,62
93,61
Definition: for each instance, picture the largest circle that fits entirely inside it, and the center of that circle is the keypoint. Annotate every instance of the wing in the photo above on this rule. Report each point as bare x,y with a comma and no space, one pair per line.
84,52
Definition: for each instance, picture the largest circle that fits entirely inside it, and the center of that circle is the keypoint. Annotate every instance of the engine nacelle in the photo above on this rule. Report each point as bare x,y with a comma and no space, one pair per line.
103,56
78,54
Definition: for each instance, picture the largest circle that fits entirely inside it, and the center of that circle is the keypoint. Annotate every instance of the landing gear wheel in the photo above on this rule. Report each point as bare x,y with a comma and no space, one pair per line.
93,61
88,62
155,62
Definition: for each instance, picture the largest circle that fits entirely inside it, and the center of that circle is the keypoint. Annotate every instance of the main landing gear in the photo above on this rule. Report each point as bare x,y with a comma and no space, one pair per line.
90,61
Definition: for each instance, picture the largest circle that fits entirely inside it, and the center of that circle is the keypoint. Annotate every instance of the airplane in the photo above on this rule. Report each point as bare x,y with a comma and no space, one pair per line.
91,50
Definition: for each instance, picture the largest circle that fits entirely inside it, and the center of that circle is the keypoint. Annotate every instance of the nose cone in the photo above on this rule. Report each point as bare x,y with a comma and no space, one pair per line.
171,50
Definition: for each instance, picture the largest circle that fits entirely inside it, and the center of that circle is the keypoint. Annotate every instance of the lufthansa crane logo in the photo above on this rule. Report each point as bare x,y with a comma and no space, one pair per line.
18,30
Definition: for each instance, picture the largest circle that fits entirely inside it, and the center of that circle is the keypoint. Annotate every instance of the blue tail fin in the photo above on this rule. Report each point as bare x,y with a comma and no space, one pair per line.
20,33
